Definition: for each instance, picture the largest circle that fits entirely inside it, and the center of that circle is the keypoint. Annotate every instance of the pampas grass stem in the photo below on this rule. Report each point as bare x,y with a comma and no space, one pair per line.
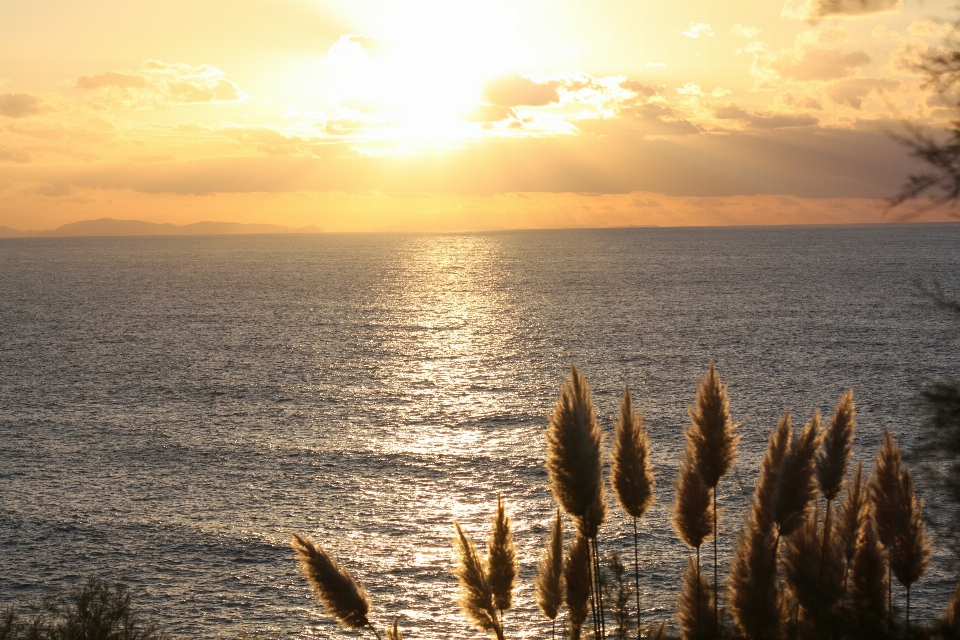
575,466
633,478
692,517
711,435
598,588
336,589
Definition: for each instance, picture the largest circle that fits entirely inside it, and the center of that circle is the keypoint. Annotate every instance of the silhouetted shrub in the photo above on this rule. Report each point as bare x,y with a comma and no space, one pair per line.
93,611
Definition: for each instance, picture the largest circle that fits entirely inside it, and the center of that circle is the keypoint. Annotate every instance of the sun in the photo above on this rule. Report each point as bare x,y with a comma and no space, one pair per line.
423,70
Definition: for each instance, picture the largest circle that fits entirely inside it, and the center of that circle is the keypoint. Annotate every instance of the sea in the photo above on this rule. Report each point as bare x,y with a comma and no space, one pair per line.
173,409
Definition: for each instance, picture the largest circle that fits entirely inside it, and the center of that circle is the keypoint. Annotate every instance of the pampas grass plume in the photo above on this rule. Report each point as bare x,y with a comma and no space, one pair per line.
695,606
501,559
899,516
660,633
341,596
813,567
711,430
476,598
949,626
548,585
777,446
853,511
868,600
573,462
910,555
754,597
393,631
837,447
885,489
576,578
633,479
692,517
795,487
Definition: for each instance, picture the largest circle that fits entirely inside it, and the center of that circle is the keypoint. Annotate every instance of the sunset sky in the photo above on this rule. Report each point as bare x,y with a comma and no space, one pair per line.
457,115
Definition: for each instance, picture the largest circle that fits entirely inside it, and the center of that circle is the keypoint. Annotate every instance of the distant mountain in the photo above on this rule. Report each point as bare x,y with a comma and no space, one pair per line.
112,227
7,232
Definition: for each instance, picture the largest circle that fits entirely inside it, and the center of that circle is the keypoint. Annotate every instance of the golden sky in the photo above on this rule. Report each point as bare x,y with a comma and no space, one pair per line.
461,114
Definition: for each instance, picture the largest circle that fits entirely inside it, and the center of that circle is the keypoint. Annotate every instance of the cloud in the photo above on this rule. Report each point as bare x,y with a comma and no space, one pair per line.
269,141
488,113
614,155
698,29
639,88
650,119
112,79
818,9
514,90
852,91
14,155
158,84
814,63
759,120
747,32
355,48
813,57
572,97
20,105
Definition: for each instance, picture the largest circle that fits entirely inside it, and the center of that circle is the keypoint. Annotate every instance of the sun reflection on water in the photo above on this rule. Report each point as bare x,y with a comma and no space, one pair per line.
449,420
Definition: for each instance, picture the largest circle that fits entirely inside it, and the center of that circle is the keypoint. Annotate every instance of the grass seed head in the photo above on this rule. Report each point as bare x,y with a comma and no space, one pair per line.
336,589
574,462
633,479
501,559
795,488
476,597
711,430
576,578
837,446
548,585
695,606
692,515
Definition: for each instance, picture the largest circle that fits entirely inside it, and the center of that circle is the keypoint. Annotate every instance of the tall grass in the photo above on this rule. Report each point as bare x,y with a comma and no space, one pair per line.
797,571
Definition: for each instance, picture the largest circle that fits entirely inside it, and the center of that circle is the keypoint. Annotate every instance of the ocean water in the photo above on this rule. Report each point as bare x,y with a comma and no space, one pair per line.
171,409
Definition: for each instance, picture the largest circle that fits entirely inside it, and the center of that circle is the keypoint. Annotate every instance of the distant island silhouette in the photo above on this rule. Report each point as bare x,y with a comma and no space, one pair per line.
113,227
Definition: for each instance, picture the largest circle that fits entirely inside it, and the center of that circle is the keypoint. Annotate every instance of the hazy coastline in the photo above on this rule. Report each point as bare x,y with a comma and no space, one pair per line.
113,227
